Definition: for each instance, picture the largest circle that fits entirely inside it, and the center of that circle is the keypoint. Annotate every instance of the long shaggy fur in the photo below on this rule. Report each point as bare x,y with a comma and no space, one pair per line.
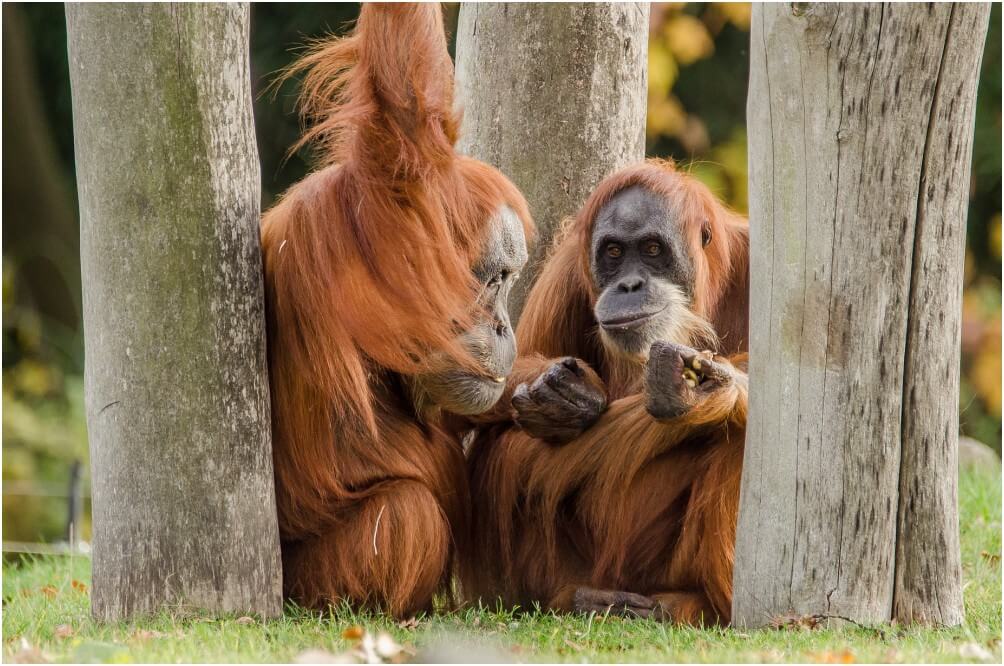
368,272
633,504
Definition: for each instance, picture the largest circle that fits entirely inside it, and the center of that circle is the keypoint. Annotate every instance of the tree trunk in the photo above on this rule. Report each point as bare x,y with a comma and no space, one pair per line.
554,96
860,120
176,385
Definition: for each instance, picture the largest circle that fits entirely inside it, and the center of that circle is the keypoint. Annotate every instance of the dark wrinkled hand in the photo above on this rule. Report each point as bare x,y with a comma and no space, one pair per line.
678,378
560,404
617,602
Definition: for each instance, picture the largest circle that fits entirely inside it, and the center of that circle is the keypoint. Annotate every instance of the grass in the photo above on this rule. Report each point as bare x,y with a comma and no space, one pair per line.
46,615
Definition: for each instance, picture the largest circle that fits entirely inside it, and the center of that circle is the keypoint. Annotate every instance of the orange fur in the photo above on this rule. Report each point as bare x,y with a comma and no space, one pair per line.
368,271
633,504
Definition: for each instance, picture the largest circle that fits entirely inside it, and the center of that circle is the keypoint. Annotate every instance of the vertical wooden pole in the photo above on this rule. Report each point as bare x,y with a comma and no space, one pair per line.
860,120
554,96
175,380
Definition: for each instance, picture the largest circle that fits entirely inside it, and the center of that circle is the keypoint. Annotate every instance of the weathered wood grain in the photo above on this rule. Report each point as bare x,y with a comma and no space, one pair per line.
176,385
554,96
928,569
859,159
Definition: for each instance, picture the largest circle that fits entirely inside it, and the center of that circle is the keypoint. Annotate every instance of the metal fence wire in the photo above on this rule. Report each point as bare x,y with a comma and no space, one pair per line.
75,497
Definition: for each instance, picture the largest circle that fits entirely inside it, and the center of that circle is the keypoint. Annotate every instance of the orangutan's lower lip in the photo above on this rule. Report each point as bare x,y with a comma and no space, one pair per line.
630,321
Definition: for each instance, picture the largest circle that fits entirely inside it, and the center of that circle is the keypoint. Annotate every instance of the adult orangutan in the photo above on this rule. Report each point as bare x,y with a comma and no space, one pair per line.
387,273
618,485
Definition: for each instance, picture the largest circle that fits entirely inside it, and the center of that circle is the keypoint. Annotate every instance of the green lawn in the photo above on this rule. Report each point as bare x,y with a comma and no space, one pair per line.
45,616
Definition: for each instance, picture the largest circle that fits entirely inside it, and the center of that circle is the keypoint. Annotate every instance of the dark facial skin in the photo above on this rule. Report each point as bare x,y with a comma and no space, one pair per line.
491,341
642,269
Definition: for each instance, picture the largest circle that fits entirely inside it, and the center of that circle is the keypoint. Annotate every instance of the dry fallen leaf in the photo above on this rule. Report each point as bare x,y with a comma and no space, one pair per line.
63,631
842,657
991,558
244,619
353,633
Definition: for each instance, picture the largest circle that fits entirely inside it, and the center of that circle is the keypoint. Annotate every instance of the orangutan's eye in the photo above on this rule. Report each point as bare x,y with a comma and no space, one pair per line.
653,249
614,250
498,280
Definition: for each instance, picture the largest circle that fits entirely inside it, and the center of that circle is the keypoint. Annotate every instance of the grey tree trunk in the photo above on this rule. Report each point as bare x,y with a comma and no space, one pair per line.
554,96
860,120
176,385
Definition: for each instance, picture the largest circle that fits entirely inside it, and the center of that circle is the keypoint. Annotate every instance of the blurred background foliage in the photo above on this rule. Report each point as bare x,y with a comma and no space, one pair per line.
697,98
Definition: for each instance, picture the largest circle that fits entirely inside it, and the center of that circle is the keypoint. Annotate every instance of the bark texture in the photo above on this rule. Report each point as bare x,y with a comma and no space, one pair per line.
860,120
176,384
554,96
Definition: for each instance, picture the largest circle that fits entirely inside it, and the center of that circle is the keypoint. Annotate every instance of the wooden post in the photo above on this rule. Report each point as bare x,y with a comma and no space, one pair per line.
860,120
554,96
74,506
176,385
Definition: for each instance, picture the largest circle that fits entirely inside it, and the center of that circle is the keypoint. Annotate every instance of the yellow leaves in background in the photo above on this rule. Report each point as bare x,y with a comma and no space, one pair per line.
35,379
981,341
687,38
985,371
666,116
736,13
981,328
662,69
731,158
986,376
679,38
